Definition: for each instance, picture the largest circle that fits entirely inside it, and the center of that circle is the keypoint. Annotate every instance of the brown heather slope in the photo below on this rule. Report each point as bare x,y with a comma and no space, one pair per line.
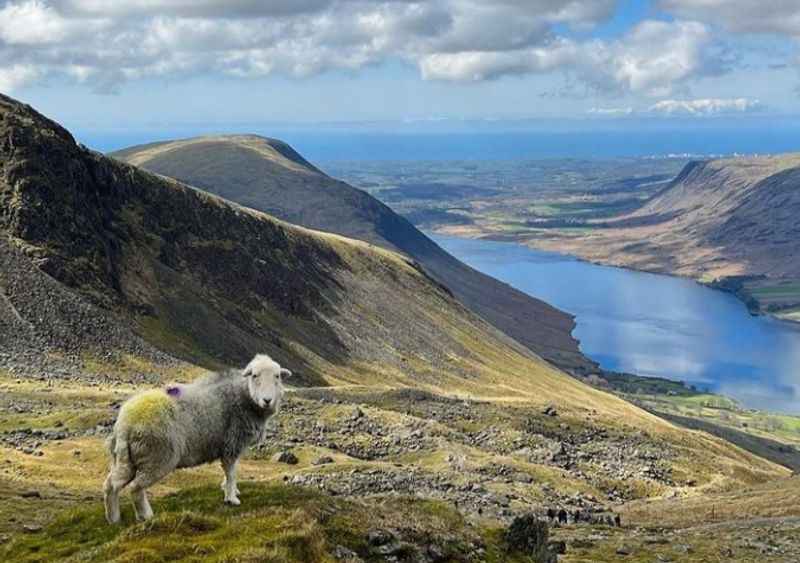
268,175
732,220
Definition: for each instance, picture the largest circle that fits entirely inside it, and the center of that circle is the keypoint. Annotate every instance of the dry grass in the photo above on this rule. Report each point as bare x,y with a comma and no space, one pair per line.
774,499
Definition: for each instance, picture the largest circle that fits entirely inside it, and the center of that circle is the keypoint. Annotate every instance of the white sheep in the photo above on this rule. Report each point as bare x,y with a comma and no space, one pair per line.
215,418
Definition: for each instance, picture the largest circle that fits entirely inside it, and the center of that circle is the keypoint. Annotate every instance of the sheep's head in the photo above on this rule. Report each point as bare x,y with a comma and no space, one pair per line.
265,381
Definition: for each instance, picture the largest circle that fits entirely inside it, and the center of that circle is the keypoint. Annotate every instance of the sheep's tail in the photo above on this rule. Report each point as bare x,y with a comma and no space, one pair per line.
118,450
111,446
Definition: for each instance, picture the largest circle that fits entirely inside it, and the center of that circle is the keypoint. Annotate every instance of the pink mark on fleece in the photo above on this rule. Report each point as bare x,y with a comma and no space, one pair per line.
173,391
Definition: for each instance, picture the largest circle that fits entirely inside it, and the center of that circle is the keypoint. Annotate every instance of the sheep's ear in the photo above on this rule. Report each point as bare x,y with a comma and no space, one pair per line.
247,372
285,372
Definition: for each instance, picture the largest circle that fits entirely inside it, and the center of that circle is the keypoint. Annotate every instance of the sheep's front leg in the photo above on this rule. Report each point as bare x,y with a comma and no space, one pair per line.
229,483
224,486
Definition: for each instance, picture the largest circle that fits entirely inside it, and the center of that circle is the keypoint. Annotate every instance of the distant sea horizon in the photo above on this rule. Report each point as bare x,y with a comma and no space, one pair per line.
332,145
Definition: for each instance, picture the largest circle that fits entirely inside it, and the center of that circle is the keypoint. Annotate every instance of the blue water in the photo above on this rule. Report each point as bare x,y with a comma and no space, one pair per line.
541,144
655,325
322,146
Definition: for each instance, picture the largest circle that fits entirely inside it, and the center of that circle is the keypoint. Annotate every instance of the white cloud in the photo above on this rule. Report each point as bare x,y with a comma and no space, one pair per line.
707,106
484,65
654,59
14,76
752,16
32,23
105,43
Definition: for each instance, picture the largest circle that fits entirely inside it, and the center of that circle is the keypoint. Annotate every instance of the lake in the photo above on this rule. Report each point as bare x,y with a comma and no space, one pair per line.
654,325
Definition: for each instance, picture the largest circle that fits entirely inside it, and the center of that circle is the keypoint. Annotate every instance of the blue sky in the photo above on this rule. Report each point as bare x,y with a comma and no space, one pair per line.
157,65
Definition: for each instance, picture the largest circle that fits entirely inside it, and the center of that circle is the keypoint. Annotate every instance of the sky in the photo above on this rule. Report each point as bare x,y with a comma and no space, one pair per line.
111,65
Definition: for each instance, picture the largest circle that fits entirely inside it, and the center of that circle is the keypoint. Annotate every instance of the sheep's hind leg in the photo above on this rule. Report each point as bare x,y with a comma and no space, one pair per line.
143,480
119,476
142,506
229,482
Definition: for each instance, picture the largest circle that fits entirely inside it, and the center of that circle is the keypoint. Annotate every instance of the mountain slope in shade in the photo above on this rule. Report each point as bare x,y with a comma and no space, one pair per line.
268,175
730,220
744,207
158,265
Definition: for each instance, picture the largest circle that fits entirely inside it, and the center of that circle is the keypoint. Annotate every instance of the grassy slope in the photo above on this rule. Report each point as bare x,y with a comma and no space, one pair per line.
285,523
268,175
282,523
289,520
64,475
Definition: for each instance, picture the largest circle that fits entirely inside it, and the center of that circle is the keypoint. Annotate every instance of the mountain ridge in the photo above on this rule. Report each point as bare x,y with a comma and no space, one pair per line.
730,223
210,281
262,173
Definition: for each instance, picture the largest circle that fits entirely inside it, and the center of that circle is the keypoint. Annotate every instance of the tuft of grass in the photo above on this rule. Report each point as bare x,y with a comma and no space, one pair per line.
183,522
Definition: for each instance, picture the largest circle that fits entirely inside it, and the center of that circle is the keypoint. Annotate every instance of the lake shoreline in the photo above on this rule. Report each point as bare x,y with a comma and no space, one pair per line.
719,285
703,330
770,433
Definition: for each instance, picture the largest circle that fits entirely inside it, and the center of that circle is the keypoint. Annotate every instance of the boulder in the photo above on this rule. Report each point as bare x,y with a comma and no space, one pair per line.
286,457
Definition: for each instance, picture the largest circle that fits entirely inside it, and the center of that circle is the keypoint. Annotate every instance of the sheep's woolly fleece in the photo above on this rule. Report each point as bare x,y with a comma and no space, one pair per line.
149,408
